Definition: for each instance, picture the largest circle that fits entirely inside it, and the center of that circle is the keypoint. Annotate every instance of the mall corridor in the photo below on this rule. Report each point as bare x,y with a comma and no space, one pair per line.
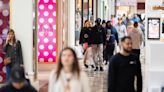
97,80
81,45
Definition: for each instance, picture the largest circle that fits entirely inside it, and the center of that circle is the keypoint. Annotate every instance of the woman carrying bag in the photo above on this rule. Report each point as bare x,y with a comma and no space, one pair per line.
13,53
85,41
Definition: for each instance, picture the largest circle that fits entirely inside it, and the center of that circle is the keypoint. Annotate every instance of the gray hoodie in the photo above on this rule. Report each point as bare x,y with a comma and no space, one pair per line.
137,37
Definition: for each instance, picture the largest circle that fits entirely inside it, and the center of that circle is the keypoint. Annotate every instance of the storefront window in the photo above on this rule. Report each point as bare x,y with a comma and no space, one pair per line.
84,11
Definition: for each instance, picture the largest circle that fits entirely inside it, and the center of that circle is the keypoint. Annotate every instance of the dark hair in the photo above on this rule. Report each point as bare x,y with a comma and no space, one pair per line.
75,66
135,24
103,22
108,23
98,20
17,74
124,38
86,21
14,40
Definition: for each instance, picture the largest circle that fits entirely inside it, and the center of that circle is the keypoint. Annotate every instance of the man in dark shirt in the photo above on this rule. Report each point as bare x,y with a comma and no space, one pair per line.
124,68
98,38
18,82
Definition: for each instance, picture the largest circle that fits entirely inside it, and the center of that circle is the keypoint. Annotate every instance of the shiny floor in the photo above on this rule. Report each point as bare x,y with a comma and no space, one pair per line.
98,80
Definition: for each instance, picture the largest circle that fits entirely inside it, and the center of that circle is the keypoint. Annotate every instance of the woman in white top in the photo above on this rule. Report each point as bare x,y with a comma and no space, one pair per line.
68,77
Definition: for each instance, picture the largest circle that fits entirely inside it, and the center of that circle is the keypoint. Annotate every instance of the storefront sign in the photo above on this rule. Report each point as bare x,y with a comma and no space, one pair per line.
158,8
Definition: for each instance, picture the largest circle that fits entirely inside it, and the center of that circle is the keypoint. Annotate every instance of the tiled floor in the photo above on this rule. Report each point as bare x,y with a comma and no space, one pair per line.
98,80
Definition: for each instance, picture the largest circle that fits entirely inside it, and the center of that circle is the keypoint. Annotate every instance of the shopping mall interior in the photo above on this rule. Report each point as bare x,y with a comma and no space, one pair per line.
45,27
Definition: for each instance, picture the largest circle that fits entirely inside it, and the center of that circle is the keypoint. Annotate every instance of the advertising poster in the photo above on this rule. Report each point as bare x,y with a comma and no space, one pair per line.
153,28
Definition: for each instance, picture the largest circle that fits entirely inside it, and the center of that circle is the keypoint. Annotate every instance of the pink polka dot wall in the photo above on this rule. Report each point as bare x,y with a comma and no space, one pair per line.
4,28
47,31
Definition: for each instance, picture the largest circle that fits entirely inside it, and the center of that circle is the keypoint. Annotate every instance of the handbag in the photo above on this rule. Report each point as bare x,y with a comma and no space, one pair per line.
85,46
7,61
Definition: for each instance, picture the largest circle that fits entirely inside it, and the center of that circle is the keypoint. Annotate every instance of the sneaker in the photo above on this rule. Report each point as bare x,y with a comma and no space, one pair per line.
96,69
106,63
86,66
101,69
92,66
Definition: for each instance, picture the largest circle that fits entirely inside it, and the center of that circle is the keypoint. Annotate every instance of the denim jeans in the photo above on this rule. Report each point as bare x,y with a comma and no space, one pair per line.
8,72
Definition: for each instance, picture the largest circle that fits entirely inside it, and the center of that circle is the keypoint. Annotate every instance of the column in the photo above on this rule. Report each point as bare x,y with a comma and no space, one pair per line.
154,52
71,23
22,23
95,9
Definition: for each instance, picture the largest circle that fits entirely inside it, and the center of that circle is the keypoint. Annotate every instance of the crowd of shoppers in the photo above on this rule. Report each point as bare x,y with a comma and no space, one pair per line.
100,40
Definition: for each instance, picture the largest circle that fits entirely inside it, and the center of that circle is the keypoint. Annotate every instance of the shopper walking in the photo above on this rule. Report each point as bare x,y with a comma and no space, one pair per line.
85,41
13,53
68,77
111,39
137,39
130,26
123,69
121,29
18,82
113,20
104,24
97,41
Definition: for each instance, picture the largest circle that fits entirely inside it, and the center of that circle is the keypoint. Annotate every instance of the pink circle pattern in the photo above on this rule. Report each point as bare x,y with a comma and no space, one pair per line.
46,31
4,27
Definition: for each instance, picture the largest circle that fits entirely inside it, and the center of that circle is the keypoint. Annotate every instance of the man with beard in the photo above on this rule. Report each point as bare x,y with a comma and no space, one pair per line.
124,68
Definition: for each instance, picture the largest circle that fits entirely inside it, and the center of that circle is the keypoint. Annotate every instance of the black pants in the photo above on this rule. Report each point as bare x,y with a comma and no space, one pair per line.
136,52
108,52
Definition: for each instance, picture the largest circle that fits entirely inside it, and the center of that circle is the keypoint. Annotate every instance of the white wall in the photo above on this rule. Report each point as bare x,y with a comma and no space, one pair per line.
22,24
154,53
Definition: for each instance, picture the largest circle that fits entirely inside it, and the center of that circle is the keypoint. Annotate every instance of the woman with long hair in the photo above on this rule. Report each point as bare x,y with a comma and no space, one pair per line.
68,77
85,41
13,53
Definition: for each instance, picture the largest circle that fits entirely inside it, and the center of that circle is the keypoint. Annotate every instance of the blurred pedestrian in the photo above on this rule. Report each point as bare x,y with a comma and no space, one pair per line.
13,53
111,39
104,24
98,41
130,26
121,29
113,20
68,77
136,18
18,82
85,41
124,69
137,39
